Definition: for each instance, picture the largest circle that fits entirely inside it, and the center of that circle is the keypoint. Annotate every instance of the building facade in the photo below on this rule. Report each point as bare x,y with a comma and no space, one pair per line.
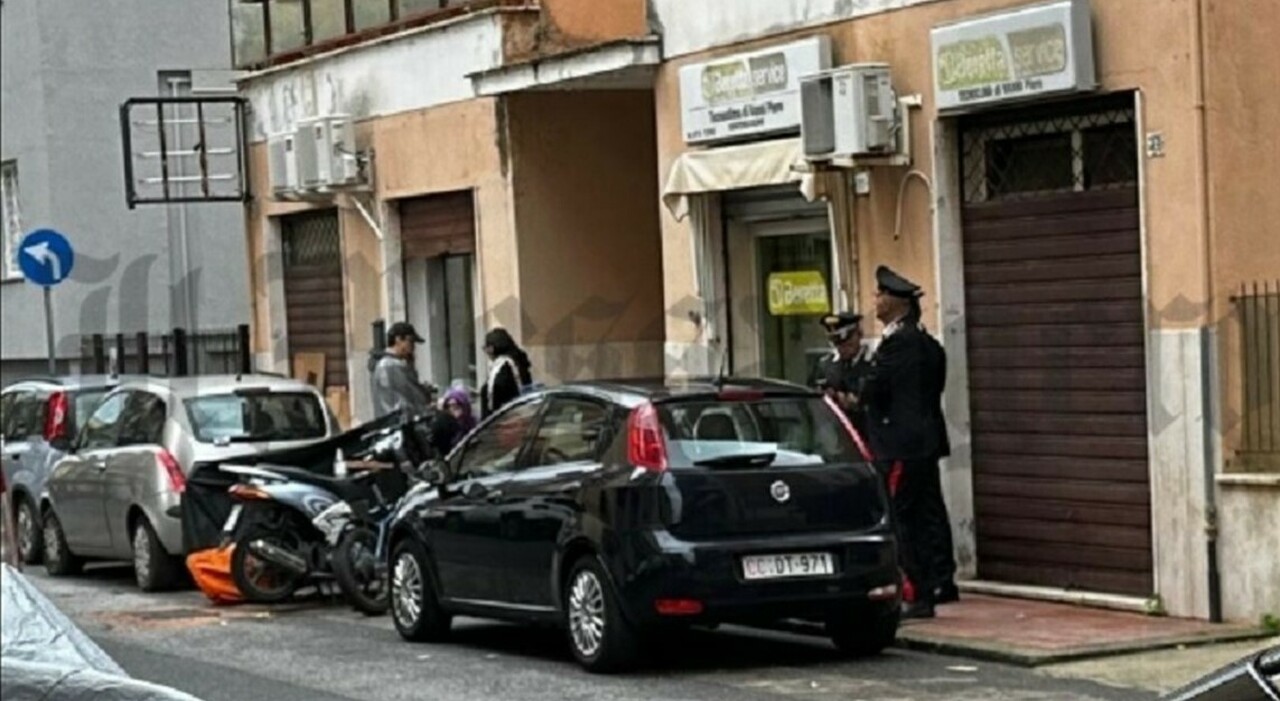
625,187
1084,203
485,201
65,70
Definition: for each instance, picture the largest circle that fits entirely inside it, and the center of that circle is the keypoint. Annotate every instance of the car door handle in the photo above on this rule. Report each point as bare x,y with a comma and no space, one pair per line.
100,465
493,495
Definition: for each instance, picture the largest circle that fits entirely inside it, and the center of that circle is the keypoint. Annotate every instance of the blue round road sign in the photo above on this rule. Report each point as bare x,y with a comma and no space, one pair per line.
45,257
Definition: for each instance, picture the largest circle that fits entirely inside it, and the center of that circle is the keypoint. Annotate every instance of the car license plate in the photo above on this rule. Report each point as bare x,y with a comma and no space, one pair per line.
787,565
230,525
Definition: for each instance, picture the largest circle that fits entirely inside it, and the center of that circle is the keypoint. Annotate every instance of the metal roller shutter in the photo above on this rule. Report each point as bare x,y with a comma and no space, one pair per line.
1053,289
313,290
438,225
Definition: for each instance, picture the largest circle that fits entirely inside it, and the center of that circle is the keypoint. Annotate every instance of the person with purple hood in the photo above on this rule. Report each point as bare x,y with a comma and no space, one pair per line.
457,404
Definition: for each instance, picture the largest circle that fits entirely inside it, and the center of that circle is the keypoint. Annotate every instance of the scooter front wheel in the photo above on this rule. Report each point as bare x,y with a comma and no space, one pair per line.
361,573
258,579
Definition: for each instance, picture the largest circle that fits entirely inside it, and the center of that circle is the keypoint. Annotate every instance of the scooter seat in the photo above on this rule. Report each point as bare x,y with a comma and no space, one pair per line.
346,488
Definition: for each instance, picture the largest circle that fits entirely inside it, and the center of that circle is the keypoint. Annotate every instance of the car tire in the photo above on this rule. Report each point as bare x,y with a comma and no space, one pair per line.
601,638
58,558
30,532
154,568
865,633
415,607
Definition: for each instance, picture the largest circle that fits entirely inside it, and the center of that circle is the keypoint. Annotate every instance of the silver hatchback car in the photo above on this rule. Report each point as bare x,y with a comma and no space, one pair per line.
117,495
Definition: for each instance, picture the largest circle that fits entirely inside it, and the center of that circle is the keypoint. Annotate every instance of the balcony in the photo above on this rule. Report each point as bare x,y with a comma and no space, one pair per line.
272,32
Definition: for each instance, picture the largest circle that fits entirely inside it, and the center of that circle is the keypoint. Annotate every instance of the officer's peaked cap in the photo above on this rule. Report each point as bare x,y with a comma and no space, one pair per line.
895,285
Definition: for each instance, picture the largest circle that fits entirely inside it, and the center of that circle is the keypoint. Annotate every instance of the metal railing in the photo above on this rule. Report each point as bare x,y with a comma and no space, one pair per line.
1257,309
176,353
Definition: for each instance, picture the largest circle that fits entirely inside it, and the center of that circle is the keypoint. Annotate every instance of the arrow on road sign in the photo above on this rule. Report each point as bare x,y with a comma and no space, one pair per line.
41,253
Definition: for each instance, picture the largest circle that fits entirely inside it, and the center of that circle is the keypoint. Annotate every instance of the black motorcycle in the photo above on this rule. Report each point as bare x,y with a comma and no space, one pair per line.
288,522
360,557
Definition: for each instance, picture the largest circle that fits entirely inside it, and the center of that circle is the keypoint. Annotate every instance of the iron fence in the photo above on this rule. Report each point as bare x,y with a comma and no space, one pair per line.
1257,309
176,353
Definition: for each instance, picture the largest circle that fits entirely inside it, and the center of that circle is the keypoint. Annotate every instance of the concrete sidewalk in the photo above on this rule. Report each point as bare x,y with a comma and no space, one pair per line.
1034,633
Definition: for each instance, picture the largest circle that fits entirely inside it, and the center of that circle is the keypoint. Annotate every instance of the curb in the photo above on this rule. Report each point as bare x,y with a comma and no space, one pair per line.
995,652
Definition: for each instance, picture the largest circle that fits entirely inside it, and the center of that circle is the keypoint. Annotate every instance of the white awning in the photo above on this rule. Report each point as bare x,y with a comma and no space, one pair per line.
734,168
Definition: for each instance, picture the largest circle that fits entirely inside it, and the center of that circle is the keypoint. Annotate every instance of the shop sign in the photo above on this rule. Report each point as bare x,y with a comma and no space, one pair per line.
1034,51
749,94
797,293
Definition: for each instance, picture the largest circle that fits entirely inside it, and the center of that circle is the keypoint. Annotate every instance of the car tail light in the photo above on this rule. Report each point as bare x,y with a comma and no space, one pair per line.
678,607
646,447
55,418
177,480
853,432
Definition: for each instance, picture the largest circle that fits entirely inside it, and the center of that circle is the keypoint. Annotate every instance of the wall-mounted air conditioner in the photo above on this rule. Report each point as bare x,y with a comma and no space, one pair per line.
328,157
848,112
283,164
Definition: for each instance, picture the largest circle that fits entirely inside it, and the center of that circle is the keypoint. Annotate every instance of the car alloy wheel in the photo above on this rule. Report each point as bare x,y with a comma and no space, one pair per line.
407,588
586,613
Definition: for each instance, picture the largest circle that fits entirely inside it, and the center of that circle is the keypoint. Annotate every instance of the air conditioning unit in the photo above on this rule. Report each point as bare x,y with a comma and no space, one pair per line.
848,112
327,153
283,164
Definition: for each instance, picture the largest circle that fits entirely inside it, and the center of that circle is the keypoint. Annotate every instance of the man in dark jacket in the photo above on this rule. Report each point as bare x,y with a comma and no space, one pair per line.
393,378
840,374
903,415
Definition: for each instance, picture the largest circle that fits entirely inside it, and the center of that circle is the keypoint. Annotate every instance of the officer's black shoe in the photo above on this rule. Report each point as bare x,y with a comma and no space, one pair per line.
946,594
918,609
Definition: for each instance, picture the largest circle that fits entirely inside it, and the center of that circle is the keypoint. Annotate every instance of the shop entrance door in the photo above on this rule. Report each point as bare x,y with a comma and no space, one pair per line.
780,282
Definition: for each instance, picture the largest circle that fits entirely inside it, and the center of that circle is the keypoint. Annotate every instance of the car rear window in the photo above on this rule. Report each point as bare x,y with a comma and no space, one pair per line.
781,432
275,416
86,401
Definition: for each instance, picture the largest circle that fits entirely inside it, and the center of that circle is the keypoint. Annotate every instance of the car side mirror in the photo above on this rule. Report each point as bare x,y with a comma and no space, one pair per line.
435,473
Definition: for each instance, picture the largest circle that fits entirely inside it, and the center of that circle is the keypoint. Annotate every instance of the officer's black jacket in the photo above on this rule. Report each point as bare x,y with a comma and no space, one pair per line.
901,392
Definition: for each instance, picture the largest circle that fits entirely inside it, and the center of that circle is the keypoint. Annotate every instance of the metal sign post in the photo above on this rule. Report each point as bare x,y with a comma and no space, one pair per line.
46,259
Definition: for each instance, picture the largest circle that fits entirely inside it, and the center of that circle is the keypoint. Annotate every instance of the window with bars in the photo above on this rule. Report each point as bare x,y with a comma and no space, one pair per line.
1049,152
265,29
1257,309
12,214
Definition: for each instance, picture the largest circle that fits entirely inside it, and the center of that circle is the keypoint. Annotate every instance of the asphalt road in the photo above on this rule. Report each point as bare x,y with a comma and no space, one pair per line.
320,651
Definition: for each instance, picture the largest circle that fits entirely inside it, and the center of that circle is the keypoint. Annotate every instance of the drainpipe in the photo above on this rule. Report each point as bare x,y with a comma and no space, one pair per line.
1207,387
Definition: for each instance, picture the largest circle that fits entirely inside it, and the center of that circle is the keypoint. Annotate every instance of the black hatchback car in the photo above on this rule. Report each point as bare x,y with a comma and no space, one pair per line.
620,509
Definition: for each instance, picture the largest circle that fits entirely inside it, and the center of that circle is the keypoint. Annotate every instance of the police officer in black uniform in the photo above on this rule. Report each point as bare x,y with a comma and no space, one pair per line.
840,373
901,394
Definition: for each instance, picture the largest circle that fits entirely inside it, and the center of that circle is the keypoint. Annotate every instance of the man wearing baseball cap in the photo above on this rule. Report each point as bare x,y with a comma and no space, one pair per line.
396,386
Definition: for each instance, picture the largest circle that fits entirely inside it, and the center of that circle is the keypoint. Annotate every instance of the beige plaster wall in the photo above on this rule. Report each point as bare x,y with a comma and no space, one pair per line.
589,248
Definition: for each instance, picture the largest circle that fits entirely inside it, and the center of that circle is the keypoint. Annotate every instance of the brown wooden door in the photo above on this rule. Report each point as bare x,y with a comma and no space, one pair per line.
1053,290
313,290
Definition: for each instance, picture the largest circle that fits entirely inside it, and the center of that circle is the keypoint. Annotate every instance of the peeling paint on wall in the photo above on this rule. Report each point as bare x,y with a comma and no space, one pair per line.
408,72
697,26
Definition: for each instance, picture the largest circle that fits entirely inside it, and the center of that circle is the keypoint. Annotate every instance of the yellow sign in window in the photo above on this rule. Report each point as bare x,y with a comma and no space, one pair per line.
798,293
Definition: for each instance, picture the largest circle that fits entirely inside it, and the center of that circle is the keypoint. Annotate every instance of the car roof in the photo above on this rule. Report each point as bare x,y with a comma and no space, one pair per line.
636,390
204,385
72,382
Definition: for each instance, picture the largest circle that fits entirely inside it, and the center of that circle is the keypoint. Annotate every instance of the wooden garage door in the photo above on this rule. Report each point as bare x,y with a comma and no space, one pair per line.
1053,290
438,225
313,290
